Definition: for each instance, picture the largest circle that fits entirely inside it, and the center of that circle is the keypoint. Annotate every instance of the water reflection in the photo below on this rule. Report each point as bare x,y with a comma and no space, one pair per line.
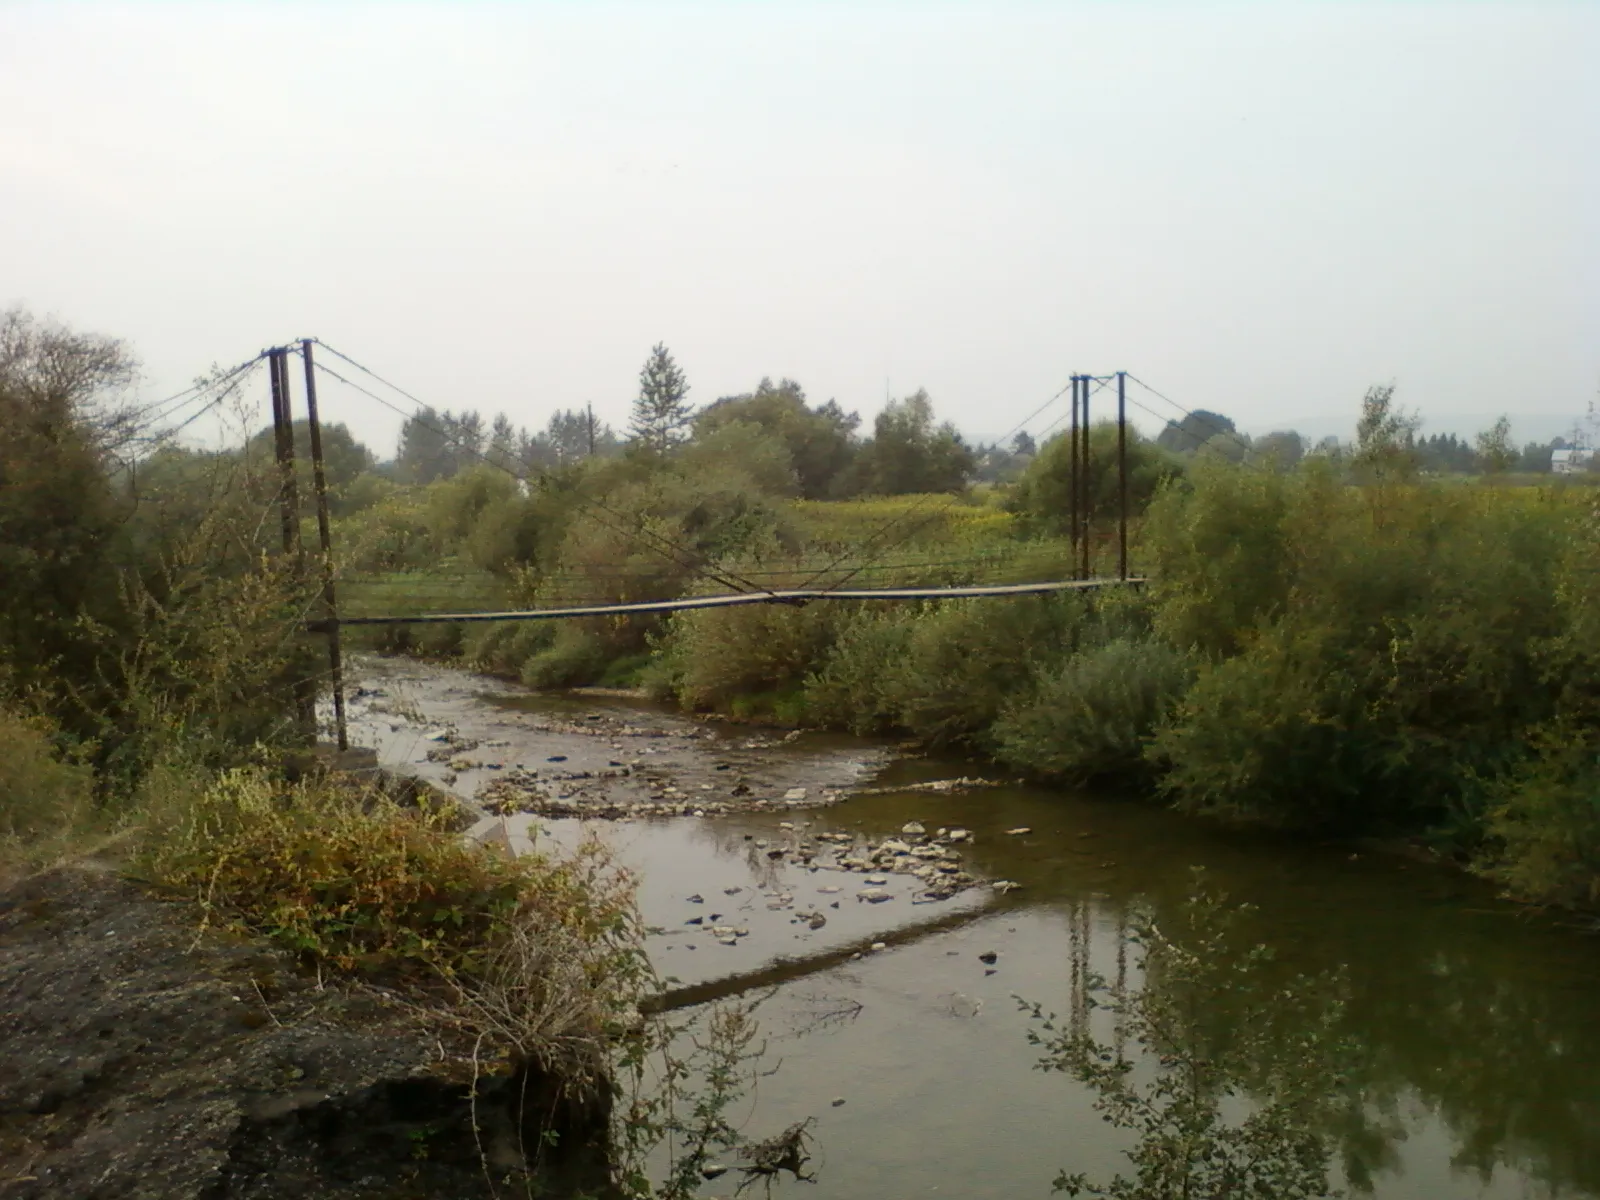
1209,1025
1473,1036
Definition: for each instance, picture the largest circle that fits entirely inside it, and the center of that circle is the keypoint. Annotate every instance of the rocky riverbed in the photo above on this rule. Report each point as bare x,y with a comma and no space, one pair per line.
744,838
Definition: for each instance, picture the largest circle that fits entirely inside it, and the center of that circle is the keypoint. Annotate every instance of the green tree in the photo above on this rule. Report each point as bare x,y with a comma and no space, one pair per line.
436,445
821,441
1195,430
60,421
661,413
1281,451
1044,494
909,453
1496,454
1385,436
344,458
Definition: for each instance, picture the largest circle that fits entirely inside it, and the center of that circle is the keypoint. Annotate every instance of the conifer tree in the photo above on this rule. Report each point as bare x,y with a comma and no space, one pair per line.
661,414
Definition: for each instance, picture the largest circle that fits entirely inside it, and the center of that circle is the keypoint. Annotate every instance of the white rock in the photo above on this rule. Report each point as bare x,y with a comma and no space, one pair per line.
876,946
876,881
913,828
794,794
961,835
874,895
1020,829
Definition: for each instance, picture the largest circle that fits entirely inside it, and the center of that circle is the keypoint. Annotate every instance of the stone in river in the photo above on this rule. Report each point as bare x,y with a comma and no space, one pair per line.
988,956
795,794
838,1101
1020,829
876,946
733,891
714,1170
816,920
876,881
724,931
960,835
730,940
829,890
913,828
697,898
557,758
874,895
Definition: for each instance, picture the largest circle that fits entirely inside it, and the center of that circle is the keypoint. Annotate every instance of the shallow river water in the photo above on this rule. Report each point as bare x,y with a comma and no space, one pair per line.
1476,1023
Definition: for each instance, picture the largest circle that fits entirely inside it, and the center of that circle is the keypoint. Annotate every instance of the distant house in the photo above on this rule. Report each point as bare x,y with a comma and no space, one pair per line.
1570,462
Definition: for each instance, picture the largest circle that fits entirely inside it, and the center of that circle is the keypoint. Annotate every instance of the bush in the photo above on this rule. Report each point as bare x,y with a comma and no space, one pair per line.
1092,716
1545,825
854,687
537,957
46,801
966,660
503,647
1281,735
578,654
712,658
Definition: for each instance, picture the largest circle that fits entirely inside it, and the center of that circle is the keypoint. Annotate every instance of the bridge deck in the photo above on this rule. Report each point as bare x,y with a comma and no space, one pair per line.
795,596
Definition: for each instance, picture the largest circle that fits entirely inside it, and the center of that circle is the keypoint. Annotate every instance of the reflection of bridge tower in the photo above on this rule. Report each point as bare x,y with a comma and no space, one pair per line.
1080,934
1081,977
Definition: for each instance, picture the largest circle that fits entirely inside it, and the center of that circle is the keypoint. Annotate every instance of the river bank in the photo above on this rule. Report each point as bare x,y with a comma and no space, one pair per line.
141,1056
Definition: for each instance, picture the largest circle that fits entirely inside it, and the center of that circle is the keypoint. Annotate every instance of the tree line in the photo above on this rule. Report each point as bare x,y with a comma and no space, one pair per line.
820,445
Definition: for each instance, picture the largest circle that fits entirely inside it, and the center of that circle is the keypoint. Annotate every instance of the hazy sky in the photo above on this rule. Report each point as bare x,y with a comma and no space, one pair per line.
1257,208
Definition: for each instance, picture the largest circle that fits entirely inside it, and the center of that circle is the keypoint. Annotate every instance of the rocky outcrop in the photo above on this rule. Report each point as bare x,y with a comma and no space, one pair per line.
141,1058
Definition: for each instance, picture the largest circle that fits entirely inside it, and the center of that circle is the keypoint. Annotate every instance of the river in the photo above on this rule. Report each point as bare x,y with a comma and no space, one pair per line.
1476,1023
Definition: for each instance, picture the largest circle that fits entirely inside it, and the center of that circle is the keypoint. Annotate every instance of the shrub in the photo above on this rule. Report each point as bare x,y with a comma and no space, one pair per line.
1280,735
45,800
966,660
536,957
853,689
503,647
578,654
714,657
1092,716
1545,824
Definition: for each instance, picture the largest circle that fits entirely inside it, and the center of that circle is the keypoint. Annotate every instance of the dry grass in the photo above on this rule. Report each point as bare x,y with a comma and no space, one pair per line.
525,960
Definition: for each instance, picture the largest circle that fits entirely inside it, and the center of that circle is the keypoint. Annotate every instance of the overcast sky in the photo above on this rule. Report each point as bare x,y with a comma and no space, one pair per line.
1256,208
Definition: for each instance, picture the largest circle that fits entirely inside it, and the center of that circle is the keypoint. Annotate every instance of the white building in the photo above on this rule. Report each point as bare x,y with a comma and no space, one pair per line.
1570,462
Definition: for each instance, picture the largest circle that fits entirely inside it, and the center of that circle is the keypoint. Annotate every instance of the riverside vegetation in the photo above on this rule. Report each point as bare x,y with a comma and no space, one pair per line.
1335,643
150,645
1340,642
